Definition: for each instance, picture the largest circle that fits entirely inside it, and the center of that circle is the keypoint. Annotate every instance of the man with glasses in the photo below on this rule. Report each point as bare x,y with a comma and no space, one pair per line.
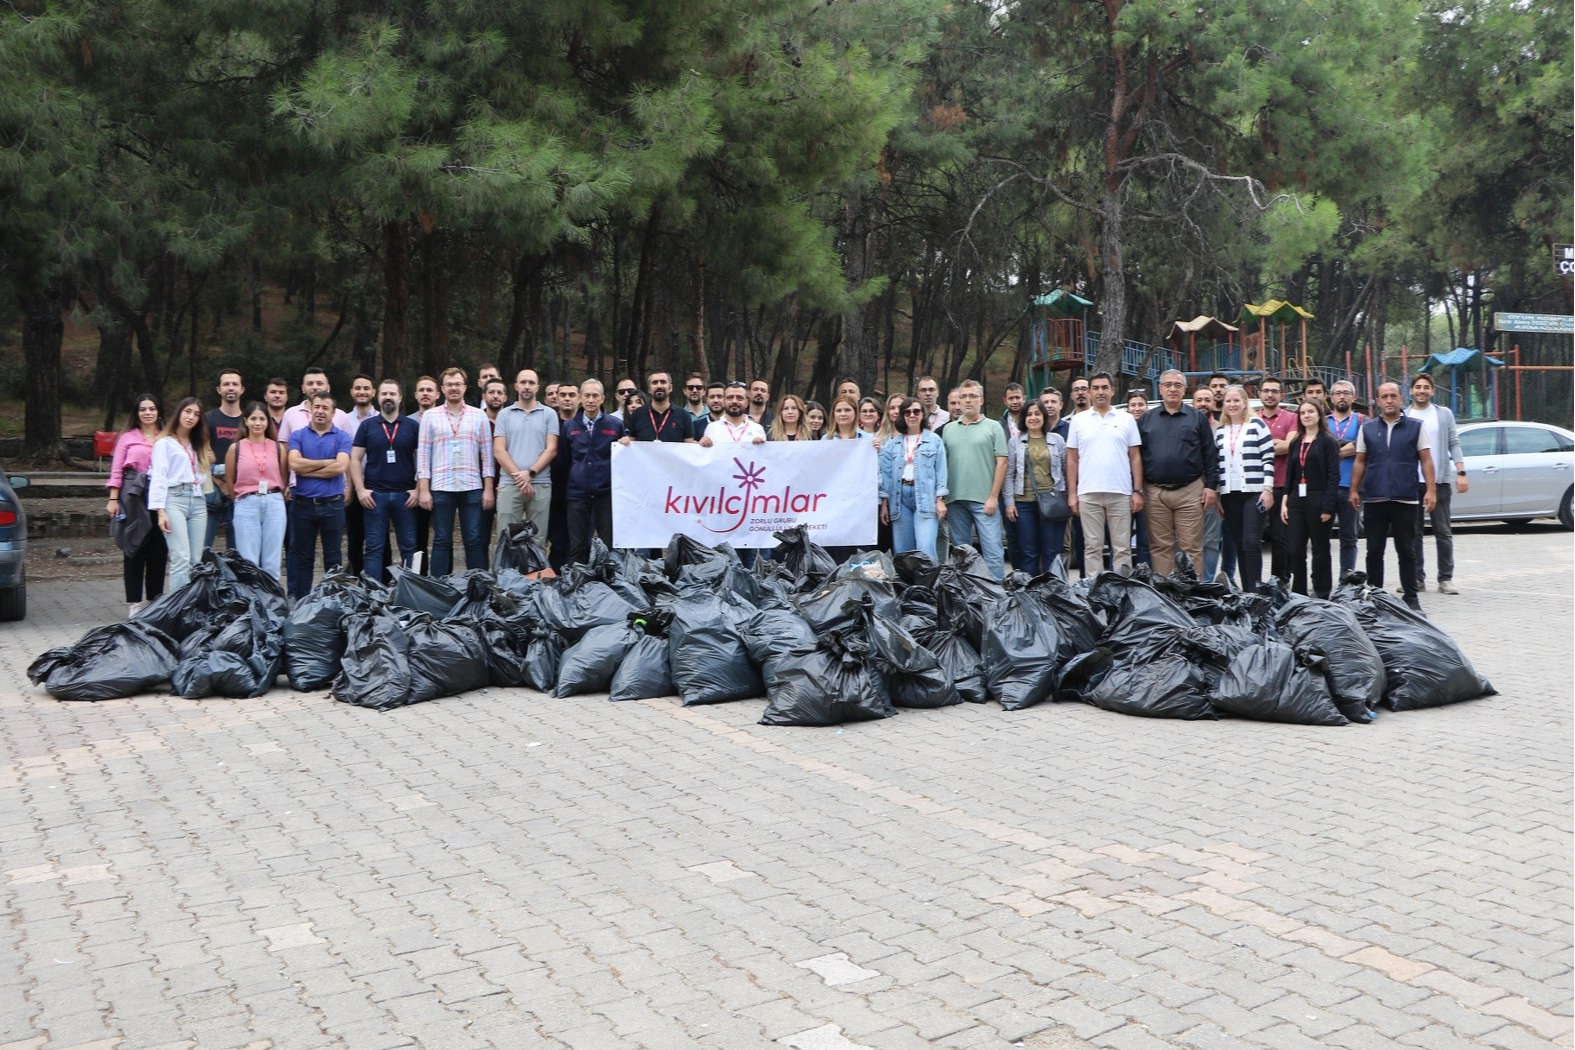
1080,395
454,474
1104,476
929,397
975,471
622,392
694,398
1344,425
1180,475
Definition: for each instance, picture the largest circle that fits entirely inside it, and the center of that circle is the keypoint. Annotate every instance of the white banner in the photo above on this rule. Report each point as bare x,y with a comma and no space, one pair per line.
741,494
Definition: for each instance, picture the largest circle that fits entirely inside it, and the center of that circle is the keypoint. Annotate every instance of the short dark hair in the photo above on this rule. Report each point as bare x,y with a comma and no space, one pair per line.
321,395
653,373
495,382
1424,375
277,381
381,383
1012,388
740,384
314,371
236,372
1266,380
1100,375
1217,375
360,375
715,384
1087,379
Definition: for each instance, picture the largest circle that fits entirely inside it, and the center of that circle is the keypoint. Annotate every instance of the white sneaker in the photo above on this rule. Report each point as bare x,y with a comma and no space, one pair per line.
133,609
1447,587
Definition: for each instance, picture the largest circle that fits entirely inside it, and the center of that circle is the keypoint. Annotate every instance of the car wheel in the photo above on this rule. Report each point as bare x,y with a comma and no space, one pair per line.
1565,518
13,603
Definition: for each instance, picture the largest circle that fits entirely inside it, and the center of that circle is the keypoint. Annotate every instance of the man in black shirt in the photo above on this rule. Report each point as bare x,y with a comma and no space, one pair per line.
1180,475
383,479
224,429
661,420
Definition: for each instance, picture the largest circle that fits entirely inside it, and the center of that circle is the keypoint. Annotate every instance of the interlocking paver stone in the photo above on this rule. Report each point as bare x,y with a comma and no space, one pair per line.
502,869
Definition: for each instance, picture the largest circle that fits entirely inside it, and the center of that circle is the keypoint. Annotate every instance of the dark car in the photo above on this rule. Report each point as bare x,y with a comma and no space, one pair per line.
13,549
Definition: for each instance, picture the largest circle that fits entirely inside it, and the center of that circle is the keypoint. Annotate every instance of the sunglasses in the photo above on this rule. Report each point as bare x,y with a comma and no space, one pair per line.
627,392
914,412
696,386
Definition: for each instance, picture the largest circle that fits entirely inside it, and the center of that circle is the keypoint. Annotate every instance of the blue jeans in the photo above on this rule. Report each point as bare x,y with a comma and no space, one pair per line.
310,519
912,532
968,519
1039,540
1347,518
220,512
188,516
389,507
467,505
257,530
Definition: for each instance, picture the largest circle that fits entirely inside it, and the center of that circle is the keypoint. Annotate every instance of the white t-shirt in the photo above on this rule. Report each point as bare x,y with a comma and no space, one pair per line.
723,432
1103,463
1429,419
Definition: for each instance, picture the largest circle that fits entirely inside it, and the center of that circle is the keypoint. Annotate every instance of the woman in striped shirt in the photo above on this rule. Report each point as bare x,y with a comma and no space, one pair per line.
1246,450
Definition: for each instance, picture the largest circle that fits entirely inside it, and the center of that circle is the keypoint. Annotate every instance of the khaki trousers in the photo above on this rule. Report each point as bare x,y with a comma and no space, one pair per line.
1175,522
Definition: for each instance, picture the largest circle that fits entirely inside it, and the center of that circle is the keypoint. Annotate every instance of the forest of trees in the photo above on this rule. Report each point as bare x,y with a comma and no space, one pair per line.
792,189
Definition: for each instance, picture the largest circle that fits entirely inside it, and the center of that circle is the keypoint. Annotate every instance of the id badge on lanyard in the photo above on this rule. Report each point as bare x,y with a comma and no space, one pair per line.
1301,489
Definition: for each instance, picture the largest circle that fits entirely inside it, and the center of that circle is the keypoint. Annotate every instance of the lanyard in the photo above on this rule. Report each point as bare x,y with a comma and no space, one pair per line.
738,434
910,445
390,437
454,425
659,424
1233,438
1303,456
257,458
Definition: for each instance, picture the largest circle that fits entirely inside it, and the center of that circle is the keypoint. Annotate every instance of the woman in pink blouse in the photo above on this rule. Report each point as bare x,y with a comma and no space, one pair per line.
143,568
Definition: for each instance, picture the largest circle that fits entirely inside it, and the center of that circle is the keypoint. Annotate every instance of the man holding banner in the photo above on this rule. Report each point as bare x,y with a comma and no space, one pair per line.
735,427
589,437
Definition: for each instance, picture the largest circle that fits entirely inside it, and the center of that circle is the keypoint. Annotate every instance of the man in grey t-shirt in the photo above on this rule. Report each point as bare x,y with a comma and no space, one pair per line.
524,444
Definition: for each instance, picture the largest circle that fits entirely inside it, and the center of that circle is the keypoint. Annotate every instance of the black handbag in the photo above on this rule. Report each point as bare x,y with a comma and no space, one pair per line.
1052,505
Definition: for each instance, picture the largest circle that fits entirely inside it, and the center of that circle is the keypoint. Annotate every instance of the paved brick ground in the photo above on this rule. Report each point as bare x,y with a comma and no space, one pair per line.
508,870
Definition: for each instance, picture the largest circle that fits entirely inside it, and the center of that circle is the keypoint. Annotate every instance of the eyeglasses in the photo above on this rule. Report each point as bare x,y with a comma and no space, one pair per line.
913,412
694,386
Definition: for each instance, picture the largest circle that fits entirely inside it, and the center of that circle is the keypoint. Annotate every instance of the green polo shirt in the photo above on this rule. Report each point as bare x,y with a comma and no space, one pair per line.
971,452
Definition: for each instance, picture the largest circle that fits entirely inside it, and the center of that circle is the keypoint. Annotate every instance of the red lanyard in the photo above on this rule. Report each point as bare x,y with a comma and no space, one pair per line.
910,445
659,424
454,425
1302,452
1233,437
257,458
390,437
737,435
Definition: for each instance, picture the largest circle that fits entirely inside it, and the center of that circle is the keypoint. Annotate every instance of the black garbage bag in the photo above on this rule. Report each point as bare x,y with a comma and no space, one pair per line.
1147,632
543,653
867,565
718,568
423,594
479,596
1081,675
1020,652
645,673
916,568
108,663
838,604
518,549
446,657
1272,682
914,675
314,640
1423,667
512,581
965,592
507,647
1356,669
375,669
1216,646
809,563
589,664
239,658
707,656
1120,597
191,606
246,581
1077,622
827,685
576,602
769,635
957,658
1169,686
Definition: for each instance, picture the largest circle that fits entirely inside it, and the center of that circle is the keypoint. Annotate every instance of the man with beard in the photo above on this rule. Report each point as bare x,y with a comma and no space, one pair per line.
929,394
1080,395
694,399
1280,423
588,436
760,403
454,470
276,395
383,475
224,428
524,444
362,395
1343,426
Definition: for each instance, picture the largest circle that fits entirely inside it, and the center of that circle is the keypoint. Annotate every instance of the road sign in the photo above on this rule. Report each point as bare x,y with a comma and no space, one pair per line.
1558,324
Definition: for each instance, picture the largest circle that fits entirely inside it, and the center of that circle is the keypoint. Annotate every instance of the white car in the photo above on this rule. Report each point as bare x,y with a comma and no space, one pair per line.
1518,471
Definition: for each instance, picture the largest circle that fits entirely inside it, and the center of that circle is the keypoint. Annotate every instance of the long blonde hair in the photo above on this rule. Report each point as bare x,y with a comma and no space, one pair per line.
801,431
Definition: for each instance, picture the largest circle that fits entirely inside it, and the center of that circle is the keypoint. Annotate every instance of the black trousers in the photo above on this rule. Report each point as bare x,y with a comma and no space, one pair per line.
355,535
588,517
423,538
1243,520
1276,537
1384,519
143,572
1306,528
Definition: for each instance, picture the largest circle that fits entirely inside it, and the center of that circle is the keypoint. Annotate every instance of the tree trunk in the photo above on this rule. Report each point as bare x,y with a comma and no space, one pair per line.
112,374
1113,294
519,302
858,355
257,309
396,300
43,331
697,281
434,303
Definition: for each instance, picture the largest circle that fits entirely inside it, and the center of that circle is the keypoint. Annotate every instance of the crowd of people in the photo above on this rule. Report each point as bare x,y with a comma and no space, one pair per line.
1072,476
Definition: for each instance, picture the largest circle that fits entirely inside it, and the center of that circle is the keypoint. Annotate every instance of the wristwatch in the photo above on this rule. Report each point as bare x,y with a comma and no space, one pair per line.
531,472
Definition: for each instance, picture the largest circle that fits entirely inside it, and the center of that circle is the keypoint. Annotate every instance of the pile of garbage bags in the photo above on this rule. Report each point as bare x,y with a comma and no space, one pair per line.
824,643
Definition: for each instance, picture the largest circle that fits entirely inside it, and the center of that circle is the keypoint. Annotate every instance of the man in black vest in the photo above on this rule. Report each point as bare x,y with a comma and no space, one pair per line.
1389,450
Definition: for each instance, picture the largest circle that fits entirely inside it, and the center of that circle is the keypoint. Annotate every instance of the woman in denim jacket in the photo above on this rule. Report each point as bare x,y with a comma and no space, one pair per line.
1036,463
913,482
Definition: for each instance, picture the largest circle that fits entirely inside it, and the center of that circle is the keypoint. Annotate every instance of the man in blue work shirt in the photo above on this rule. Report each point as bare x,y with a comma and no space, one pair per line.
319,457
587,440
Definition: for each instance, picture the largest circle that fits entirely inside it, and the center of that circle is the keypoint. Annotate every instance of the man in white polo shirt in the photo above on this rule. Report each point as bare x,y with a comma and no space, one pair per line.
1104,477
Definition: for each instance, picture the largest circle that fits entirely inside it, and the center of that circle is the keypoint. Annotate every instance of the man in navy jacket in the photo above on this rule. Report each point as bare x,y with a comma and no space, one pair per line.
1389,452
587,439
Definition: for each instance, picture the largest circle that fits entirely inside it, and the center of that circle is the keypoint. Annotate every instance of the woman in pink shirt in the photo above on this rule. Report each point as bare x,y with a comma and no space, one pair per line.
143,568
254,467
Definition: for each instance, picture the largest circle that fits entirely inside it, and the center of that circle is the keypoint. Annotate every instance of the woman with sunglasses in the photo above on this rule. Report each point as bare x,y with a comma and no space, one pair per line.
913,482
